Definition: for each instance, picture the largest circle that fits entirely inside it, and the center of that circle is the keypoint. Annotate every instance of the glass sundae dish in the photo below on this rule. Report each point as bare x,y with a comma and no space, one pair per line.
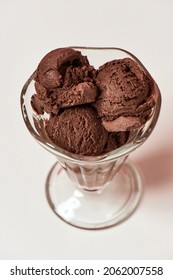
91,108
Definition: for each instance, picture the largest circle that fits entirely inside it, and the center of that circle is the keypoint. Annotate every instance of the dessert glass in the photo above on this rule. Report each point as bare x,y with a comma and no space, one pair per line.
92,192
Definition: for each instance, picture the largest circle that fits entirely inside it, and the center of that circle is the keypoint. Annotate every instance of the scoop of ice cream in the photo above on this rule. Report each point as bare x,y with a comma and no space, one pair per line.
78,130
51,69
64,78
125,100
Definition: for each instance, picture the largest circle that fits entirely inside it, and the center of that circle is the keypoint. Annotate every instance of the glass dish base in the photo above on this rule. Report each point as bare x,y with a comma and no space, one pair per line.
94,209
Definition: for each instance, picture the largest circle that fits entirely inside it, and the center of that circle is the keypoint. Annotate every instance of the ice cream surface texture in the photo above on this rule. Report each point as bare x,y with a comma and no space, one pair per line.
64,79
125,100
78,130
91,111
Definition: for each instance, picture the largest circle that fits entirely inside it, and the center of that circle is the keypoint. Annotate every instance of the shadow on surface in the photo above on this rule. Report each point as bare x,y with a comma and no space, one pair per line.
157,167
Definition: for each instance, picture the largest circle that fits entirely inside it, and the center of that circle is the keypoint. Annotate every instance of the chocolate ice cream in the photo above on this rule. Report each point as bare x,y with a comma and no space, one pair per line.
78,130
91,112
125,101
115,140
64,78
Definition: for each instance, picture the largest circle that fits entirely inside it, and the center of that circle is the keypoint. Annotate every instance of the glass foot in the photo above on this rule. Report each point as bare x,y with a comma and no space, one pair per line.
94,209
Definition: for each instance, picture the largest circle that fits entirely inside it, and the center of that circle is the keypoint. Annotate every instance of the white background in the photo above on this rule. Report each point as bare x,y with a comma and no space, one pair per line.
28,30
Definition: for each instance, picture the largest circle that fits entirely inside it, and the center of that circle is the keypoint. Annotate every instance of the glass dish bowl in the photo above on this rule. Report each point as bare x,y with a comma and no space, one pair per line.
92,192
